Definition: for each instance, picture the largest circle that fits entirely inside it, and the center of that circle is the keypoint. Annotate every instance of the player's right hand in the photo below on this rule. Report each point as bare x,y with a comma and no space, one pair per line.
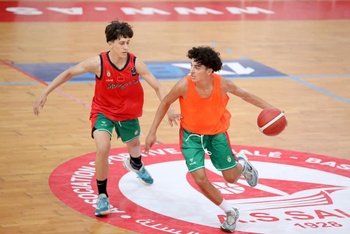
39,104
149,142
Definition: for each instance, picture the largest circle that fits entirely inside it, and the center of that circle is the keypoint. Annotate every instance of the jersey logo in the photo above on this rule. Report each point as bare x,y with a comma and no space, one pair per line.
133,71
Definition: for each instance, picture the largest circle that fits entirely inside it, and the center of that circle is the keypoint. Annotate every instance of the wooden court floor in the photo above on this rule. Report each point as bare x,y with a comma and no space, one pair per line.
315,98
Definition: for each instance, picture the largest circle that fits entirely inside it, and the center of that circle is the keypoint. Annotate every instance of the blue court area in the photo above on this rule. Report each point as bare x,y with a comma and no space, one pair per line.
244,68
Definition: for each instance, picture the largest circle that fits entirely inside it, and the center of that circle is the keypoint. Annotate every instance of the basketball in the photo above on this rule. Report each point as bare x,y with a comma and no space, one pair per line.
271,121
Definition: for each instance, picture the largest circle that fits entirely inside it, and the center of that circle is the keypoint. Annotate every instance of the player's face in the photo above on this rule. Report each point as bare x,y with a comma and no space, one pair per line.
199,72
120,46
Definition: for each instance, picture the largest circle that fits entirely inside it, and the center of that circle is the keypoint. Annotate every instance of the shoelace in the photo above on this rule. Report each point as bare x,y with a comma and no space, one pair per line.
102,202
142,172
249,175
231,218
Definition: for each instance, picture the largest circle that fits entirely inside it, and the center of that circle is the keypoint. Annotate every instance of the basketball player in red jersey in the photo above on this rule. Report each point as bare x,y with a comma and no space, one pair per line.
117,104
204,124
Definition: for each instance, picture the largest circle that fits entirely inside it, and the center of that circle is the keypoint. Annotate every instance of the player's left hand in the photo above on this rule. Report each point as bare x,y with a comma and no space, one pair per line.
173,117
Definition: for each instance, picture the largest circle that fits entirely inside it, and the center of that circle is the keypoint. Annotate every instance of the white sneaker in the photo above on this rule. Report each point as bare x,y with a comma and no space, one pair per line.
229,225
249,172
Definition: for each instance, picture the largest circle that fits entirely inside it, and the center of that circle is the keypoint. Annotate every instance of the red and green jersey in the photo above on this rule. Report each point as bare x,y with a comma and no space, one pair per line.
118,92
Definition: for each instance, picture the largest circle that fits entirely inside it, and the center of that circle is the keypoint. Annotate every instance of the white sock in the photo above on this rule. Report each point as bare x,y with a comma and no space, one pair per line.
225,206
242,162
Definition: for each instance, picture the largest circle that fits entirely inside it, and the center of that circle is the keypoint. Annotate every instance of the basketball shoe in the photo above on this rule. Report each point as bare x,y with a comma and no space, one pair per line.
102,205
249,172
142,173
229,225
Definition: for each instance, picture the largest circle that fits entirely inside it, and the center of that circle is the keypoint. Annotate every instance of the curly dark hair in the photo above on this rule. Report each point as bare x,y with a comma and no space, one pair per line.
116,30
207,56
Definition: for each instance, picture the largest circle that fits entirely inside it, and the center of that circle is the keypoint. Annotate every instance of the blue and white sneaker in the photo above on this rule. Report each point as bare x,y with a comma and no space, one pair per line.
229,225
102,205
142,174
249,172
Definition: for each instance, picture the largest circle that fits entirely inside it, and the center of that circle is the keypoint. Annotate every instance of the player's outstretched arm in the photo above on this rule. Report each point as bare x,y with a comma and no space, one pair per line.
179,89
89,65
163,107
230,87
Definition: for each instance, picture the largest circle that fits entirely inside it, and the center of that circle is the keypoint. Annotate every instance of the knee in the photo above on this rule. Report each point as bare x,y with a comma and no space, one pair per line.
134,143
102,151
201,181
231,179
232,175
103,144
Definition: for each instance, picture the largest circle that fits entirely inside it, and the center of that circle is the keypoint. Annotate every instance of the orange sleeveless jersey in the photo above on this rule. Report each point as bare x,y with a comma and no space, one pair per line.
207,116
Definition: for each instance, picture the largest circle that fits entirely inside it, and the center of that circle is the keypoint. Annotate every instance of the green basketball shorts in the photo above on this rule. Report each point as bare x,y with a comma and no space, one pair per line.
195,146
126,130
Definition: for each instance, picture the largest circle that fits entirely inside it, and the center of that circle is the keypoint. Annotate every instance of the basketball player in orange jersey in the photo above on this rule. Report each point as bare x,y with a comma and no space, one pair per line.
203,128
117,104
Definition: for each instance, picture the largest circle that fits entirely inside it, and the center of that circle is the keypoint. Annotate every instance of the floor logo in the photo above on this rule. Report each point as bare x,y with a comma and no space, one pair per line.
242,68
297,193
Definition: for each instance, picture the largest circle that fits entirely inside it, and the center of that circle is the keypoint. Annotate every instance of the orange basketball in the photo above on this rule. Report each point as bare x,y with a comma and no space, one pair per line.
271,121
